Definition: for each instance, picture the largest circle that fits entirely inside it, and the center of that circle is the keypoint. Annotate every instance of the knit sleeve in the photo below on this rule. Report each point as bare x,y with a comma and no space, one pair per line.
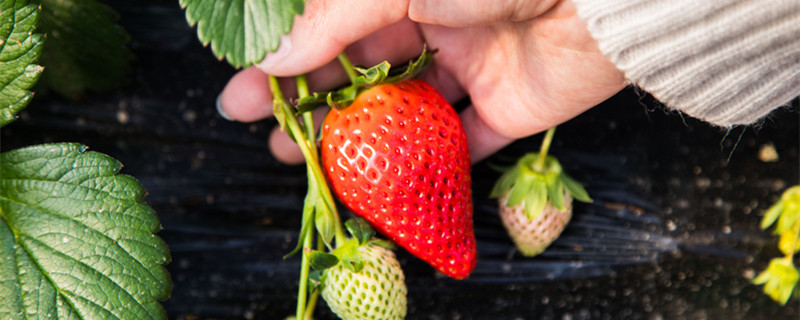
727,62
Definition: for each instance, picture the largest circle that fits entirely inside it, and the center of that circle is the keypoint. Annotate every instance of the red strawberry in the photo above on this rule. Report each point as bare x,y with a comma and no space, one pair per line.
398,157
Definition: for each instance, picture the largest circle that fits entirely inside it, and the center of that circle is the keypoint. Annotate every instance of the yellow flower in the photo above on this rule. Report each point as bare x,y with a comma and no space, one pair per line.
779,279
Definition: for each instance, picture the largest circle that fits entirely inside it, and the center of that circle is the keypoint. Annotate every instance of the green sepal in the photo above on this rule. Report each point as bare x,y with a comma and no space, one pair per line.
538,187
314,280
343,98
536,200
360,229
522,187
319,260
414,67
575,188
386,244
350,257
555,190
372,76
381,73
312,102
505,182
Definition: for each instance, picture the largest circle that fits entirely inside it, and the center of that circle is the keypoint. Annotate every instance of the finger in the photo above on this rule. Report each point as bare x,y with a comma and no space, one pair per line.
443,81
326,28
396,43
284,148
483,140
246,97
472,13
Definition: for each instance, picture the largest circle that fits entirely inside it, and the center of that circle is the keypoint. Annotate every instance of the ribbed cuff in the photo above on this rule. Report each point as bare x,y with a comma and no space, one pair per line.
727,62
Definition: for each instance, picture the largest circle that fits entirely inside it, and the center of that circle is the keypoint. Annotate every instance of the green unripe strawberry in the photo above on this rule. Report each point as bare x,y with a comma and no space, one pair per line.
535,202
377,291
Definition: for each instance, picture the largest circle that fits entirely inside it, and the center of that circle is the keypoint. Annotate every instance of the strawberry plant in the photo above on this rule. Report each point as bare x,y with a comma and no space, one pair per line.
535,199
433,223
781,276
413,185
76,238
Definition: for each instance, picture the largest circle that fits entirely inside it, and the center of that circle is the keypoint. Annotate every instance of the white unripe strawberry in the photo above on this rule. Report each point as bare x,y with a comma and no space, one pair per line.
535,202
532,237
377,291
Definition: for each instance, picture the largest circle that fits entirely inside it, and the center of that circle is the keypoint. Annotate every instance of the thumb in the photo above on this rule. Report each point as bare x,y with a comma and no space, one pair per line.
325,29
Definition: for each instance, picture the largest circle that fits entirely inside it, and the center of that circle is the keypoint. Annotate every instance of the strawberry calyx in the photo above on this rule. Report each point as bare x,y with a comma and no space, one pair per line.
347,252
538,186
363,78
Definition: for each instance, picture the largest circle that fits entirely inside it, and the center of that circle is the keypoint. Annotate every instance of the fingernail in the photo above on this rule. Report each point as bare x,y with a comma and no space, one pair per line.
221,110
274,58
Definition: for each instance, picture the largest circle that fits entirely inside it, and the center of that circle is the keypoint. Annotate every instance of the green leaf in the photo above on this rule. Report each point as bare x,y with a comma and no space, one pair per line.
76,238
306,225
242,31
85,50
19,50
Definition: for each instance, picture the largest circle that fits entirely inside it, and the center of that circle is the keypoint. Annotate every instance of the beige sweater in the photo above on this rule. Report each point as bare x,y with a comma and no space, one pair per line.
727,62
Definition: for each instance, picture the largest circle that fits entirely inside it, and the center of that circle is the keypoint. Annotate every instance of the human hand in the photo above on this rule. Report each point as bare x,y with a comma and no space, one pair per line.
525,65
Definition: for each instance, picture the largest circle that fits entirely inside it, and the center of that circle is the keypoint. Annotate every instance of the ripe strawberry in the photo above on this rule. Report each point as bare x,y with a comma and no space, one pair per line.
398,157
535,204
377,291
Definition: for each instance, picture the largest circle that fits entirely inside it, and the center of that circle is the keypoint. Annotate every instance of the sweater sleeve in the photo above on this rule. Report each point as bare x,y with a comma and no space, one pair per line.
727,62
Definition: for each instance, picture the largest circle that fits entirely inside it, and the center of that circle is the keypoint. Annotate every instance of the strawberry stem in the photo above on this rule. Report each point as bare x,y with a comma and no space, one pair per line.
538,166
308,117
348,67
305,138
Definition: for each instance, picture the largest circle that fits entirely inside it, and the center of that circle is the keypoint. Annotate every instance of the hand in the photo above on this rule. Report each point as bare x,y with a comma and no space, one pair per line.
525,65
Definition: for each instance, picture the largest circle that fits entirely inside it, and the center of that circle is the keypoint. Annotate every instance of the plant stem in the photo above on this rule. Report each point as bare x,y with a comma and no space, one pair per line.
538,166
348,67
306,141
308,117
312,303
302,290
